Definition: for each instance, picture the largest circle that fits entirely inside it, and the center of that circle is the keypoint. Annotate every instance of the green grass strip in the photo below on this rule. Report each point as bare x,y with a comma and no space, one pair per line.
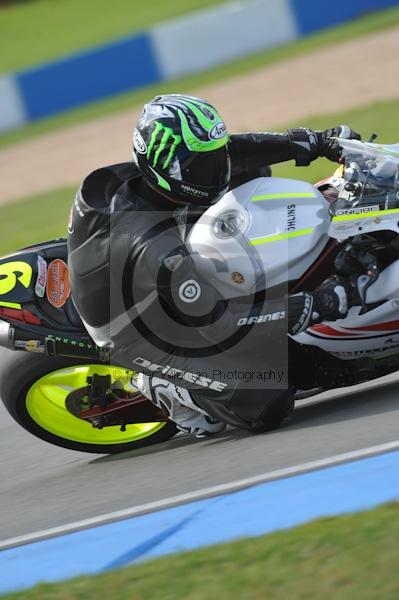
35,219
350,557
368,24
44,30
45,216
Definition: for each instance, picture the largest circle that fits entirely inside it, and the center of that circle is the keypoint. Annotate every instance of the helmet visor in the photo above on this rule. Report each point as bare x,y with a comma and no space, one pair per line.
206,169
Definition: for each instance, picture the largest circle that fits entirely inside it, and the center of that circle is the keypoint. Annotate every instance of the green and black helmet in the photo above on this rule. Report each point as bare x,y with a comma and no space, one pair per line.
181,146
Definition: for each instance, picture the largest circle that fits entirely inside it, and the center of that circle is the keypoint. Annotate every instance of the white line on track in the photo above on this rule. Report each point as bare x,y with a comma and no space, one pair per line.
198,495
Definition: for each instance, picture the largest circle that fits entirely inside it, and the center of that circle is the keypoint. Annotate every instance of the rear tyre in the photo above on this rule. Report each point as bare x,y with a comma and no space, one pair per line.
33,389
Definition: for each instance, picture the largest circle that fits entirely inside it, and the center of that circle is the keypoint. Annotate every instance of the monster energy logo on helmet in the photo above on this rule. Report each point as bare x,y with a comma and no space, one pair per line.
167,134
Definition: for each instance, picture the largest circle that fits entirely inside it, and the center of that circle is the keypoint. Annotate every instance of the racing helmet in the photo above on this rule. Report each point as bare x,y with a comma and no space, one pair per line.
180,145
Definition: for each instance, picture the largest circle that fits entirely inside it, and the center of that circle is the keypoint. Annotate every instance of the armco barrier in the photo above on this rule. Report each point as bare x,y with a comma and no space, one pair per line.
185,45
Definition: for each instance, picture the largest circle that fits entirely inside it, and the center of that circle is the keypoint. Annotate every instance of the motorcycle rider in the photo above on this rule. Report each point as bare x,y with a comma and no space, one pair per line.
140,292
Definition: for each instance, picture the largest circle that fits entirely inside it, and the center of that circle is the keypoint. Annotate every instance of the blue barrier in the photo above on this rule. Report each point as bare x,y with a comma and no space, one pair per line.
62,85
311,15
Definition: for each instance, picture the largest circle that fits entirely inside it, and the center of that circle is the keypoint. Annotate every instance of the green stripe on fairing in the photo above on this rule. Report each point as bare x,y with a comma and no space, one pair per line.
10,304
282,195
280,236
375,213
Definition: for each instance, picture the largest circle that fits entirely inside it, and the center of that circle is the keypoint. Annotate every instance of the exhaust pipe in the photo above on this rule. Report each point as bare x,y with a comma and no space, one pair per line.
7,333
18,339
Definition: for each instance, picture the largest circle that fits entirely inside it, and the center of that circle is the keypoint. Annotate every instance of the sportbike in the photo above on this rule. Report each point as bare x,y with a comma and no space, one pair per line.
62,388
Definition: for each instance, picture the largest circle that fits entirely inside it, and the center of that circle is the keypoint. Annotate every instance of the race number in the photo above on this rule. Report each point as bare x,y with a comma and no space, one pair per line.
11,273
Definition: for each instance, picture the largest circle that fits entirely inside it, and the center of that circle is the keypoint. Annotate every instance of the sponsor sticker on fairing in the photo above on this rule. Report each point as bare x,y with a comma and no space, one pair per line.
357,210
189,291
30,345
41,280
291,217
58,288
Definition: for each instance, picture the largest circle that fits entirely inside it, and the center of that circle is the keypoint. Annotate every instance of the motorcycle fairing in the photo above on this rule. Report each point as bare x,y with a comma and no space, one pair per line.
374,334
271,226
20,303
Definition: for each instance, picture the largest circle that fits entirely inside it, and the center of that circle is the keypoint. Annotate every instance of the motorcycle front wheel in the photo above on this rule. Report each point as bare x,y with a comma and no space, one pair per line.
34,388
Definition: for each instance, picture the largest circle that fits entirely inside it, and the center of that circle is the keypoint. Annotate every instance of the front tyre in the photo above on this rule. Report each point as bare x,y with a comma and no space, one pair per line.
34,387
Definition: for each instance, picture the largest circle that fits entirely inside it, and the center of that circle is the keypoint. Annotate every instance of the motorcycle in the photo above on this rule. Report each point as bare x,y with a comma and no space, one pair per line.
62,388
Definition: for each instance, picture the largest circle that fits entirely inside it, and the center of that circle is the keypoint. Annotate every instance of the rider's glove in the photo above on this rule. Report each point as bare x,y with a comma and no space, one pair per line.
308,144
304,144
328,302
329,147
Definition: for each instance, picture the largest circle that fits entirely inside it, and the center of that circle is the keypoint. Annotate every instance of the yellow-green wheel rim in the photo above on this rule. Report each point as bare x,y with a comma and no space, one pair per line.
45,403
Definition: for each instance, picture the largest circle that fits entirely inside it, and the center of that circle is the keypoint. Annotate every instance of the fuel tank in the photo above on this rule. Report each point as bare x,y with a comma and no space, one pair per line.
261,234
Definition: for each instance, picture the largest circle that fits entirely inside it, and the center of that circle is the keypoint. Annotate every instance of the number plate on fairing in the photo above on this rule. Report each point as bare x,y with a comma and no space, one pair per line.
16,276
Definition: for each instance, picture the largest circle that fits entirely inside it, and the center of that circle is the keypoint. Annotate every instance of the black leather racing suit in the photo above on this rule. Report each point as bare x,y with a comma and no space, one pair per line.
140,292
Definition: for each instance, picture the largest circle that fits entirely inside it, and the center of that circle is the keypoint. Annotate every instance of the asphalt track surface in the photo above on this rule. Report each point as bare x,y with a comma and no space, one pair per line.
42,486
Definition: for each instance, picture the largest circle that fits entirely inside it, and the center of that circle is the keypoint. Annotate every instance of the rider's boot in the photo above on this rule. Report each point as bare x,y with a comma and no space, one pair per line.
179,406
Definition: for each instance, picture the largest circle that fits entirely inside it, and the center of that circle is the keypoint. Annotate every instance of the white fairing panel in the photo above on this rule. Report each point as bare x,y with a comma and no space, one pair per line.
271,226
374,334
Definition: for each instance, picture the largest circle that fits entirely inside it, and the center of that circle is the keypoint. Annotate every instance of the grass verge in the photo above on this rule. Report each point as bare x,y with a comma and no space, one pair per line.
34,32
362,26
351,557
35,219
45,216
